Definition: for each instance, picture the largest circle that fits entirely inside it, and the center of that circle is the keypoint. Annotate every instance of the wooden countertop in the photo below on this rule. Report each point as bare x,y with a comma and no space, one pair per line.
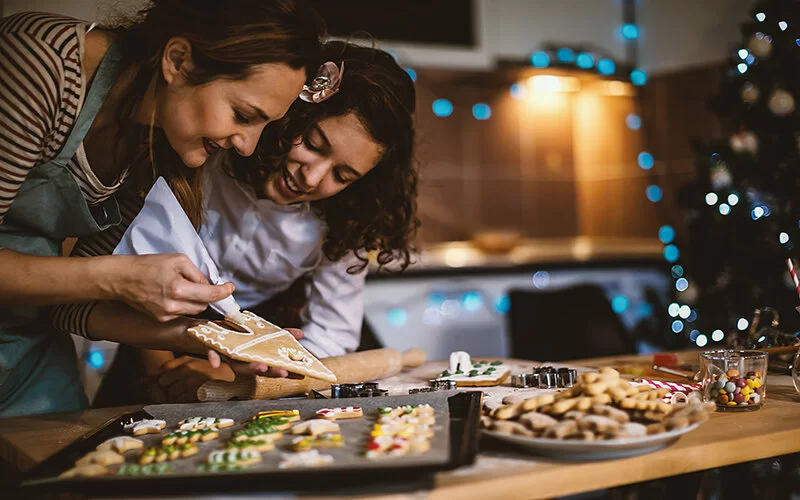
726,439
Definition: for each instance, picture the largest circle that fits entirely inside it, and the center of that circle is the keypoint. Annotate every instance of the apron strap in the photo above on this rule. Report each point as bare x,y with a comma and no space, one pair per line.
104,79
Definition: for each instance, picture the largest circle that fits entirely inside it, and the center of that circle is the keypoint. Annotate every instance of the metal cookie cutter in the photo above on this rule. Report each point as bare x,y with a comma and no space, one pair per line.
525,380
566,377
363,390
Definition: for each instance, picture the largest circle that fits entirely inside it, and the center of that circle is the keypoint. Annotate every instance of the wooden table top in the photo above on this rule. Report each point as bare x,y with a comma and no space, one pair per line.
726,439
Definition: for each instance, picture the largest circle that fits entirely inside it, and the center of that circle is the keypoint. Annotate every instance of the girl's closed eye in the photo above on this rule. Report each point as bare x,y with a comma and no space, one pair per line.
310,145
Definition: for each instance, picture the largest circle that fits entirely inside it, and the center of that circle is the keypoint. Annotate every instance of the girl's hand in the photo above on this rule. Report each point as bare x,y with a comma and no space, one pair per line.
165,286
178,379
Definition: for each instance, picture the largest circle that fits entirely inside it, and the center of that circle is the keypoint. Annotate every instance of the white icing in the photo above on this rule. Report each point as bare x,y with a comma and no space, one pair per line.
499,372
196,423
146,425
459,360
308,458
315,426
119,443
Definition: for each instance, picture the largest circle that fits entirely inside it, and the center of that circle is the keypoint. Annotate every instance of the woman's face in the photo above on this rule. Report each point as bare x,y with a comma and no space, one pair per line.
200,120
335,153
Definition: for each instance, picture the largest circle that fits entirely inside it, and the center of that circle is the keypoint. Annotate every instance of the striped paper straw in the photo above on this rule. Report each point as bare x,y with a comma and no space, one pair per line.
790,263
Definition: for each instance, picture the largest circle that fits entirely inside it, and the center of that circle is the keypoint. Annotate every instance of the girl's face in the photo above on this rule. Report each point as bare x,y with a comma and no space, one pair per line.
335,153
222,114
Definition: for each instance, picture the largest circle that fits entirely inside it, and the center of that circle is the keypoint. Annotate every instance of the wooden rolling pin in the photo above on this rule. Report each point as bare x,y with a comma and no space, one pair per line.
349,369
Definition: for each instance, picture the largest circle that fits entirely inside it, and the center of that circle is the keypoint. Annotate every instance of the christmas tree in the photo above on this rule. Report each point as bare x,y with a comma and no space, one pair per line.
742,209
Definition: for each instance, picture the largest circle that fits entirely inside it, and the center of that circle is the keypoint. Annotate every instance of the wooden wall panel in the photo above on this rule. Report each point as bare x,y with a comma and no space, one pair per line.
560,165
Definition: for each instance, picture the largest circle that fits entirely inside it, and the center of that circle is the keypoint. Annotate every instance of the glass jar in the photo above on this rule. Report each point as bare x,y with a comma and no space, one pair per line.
735,380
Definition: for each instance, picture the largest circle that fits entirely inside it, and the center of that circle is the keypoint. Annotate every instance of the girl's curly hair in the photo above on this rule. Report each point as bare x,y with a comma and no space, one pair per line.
377,213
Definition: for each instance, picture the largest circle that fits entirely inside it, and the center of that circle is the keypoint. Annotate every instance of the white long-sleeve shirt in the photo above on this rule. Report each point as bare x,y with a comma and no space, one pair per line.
263,248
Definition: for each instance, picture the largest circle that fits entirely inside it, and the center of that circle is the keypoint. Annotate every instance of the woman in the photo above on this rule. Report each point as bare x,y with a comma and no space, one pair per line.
86,110
332,181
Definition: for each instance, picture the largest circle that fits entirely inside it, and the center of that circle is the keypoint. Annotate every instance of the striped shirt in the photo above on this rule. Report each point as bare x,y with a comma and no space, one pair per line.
73,318
42,88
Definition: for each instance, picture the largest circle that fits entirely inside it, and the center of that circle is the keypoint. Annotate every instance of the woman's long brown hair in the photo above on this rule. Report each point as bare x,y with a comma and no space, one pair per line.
228,38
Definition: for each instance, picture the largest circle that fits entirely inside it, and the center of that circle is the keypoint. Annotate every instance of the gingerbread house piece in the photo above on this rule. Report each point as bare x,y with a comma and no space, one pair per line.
254,339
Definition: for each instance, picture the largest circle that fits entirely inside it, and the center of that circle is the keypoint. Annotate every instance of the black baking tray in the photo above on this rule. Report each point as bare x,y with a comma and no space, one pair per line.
464,412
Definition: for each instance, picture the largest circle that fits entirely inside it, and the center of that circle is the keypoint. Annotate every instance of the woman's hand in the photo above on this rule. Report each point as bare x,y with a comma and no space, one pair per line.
165,286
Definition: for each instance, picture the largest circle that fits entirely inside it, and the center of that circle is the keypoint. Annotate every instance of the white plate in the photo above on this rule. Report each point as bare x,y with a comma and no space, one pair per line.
592,450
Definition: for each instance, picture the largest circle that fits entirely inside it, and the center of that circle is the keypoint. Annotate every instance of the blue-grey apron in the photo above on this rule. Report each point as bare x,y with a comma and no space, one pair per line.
38,364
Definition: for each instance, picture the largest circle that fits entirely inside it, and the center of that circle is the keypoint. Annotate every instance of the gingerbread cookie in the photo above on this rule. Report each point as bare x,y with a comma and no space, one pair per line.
121,444
234,457
168,452
259,445
92,470
310,458
315,427
256,339
260,431
326,440
340,413
145,470
467,373
190,436
196,423
105,457
288,415
142,427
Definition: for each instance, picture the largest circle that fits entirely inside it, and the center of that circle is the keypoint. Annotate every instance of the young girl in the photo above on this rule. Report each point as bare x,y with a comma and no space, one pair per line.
85,110
331,182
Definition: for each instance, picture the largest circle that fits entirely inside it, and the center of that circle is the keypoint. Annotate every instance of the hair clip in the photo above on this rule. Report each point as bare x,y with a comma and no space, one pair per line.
325,84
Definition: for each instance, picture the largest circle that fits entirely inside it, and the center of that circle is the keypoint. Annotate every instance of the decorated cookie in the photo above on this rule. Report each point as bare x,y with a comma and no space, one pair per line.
106,457
92,470
263,431
326,440
310,458
315,427
256,339
168,452
260,445
121,444
145,470
468,373
234,456
340,413
288,415
194,423
191,436
142,427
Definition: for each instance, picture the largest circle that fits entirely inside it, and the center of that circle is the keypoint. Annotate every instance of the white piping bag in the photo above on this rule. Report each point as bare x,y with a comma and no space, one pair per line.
163,227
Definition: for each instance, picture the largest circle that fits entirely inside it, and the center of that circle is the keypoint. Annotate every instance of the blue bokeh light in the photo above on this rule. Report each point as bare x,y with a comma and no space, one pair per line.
437,299
681,284
654,193
619,304
638,77
565,55
584,60
606,67
630,31
397,317
540,59
442,108
95,359
677,271
481,111
503,304
646,160
666,234
671,253
472,301
633,121
412,74
677,326
517,91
